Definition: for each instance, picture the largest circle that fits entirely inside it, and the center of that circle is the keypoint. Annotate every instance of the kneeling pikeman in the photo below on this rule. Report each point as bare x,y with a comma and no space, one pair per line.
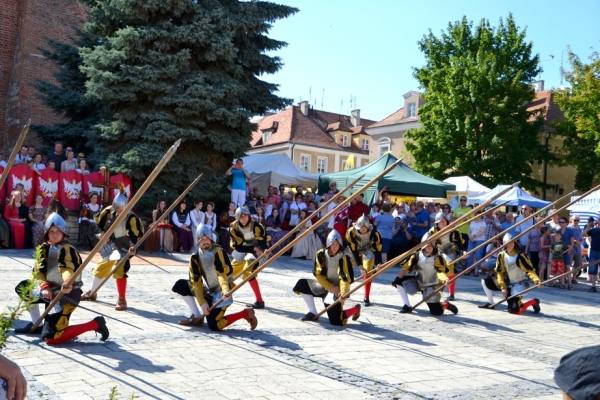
210,273
431,270
333,272
365,244
249,240
512,269
120,242
53,275
447,246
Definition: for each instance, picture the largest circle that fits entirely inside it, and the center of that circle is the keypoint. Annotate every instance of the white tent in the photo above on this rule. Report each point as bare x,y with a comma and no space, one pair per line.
466,184
585,208
275,169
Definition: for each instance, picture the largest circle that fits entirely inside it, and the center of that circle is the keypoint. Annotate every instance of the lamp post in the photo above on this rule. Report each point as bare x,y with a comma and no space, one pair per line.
546,164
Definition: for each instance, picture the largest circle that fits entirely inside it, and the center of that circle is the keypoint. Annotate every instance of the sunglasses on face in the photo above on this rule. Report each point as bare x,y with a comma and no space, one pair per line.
575,220
562,222
463,200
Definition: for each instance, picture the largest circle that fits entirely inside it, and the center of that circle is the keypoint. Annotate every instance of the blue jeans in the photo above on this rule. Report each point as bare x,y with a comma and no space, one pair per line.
478,254
593,256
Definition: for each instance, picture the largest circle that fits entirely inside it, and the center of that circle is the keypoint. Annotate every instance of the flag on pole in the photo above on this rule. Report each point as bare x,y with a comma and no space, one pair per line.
350,162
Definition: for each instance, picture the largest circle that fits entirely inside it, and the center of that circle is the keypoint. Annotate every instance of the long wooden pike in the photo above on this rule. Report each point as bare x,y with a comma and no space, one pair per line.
161,164
385,266
303,234
484,244
293,231
147,233
543,283
16,150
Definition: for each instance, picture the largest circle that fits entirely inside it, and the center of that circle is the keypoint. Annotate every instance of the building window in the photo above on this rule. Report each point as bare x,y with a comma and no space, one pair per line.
344,140
305,162
365,144
412,109
321,165
266,136
384,145
343,165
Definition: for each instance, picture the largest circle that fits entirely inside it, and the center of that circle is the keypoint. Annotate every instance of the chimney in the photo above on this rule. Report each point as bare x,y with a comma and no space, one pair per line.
355,118
304,108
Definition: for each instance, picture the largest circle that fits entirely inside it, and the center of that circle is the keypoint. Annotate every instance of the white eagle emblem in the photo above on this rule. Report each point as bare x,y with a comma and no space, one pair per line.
91,188
127,191
25,182
72,189
48,188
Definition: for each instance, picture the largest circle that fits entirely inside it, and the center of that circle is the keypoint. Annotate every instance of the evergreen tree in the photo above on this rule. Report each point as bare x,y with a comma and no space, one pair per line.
67,99
474,121
581,129
188,69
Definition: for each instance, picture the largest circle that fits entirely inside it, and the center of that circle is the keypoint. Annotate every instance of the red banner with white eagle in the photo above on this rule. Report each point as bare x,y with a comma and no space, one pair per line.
87,183
3,188
47,185
70,187
126,181
22,174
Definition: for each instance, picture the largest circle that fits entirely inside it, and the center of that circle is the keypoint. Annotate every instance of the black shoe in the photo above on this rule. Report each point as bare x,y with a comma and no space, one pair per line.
405,309
366,303
486,305
25,330
357,315
451,297
452,308
257,305
309,317
536,307
592,289
102,329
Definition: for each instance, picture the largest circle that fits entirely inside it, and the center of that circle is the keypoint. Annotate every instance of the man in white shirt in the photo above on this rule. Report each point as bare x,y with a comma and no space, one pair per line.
22,157
527,211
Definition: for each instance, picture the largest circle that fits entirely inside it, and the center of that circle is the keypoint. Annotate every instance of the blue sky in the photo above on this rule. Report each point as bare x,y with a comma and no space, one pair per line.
366,49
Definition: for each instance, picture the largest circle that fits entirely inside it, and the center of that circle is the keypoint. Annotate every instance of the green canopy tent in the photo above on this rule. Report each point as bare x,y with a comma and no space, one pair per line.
400,181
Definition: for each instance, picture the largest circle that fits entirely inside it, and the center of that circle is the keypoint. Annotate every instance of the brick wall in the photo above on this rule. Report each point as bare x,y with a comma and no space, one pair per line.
24,27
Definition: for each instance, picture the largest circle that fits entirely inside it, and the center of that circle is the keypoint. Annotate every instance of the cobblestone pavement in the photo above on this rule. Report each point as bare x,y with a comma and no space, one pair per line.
477,354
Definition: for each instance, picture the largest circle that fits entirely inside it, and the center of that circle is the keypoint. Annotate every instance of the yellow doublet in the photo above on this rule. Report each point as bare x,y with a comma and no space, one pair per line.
440,265
237,243
345,272
221,265
376,246
523,263
68,262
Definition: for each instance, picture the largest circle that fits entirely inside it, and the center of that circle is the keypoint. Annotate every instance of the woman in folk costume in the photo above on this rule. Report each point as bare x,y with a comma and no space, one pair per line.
249,240
87,223
53,275
365,244
513,267
431,269
309,245
120,245
209,280
333,273
447,246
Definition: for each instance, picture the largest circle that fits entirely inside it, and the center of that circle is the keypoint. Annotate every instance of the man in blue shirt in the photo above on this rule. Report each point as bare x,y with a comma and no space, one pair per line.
421,226
510,221
238,187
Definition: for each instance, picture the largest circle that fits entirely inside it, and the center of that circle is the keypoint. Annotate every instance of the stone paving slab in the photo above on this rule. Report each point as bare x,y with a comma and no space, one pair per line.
477,354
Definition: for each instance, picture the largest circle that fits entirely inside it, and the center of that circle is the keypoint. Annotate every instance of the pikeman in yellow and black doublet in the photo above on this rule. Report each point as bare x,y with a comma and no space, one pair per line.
53,275
365,244
431,270
447,245
333,272
119,246
210,273
248,240
512,269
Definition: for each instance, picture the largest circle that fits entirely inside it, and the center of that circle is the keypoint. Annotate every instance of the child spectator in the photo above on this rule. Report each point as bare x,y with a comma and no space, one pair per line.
558,248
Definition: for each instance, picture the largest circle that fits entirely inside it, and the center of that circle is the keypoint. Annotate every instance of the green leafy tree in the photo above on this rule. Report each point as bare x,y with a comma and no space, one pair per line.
184,69
581,129
66,97
474,119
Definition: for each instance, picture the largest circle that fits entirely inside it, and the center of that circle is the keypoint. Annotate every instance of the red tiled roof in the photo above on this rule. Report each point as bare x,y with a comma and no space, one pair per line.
397,117
545,98
312,130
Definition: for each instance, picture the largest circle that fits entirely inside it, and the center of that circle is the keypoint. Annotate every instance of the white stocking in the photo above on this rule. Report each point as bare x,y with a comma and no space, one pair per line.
35,314
310,303
192,305
96,282
488,292
404,295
